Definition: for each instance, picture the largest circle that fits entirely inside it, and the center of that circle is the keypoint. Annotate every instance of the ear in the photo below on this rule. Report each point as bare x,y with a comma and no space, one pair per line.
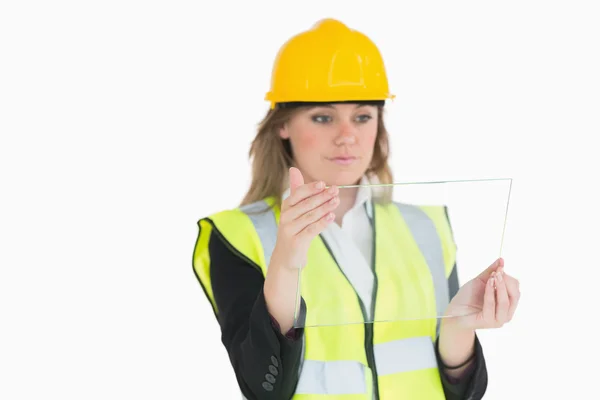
284,132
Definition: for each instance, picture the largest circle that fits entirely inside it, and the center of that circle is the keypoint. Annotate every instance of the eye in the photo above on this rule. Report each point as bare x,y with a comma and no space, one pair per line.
364,118
321,119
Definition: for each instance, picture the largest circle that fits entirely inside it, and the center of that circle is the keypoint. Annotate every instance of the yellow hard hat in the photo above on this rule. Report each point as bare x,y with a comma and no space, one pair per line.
328,63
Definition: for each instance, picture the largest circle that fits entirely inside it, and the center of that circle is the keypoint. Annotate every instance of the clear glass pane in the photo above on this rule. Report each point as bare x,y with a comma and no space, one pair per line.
430,238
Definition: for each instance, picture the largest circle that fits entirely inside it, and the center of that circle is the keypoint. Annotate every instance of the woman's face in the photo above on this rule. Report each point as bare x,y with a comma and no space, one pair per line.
333,143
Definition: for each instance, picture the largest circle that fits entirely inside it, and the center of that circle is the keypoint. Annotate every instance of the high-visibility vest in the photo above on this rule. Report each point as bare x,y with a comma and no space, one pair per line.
414,254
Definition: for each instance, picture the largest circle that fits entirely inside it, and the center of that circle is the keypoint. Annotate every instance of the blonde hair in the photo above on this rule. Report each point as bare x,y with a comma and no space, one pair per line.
271,157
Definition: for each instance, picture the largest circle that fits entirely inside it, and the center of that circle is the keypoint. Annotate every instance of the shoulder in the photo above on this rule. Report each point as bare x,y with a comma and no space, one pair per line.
244,215
419,215
416,213
248,231
240,226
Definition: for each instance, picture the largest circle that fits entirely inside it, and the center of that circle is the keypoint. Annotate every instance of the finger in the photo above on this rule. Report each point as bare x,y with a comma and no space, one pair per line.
312,203
489,301
296,179
318,226
301,192
512,284
485,275
514,294
502,301
314,215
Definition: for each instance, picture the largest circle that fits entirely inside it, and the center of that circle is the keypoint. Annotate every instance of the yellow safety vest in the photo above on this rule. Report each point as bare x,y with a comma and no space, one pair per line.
414,253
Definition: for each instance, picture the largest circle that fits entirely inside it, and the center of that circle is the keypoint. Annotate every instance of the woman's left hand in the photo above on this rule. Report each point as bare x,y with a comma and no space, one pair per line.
487,301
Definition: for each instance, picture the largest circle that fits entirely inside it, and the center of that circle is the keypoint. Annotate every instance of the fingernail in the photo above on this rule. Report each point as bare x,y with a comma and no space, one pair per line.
333,190
320,185
500,272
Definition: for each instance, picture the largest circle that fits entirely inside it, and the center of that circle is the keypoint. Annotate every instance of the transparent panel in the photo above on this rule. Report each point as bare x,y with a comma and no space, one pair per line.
430,240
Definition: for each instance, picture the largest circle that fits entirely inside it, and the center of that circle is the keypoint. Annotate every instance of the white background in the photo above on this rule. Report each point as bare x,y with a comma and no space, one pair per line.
122,123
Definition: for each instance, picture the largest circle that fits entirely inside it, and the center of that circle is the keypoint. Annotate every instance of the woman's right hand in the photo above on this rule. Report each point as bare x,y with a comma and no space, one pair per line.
305,213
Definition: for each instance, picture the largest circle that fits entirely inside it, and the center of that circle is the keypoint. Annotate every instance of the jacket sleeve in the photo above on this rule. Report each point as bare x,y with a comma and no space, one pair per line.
473,384
266,363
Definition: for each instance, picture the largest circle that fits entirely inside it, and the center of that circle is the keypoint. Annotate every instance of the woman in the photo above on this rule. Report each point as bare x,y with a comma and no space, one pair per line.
325,128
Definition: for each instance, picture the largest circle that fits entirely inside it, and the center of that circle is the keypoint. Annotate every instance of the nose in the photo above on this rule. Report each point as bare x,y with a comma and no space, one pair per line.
346,135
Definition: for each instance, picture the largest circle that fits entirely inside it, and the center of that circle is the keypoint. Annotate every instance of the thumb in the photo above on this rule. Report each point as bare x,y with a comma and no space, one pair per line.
488,271
296,179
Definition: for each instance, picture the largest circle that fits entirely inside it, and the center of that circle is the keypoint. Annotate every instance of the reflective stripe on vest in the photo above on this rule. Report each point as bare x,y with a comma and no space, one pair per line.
348,377
340,377
421,226
425,234
265,223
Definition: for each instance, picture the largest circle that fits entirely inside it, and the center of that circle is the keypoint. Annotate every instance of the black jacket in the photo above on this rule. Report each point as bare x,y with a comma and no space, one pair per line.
265,362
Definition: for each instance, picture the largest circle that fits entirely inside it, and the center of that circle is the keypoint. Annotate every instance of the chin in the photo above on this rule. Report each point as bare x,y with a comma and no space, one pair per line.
343,178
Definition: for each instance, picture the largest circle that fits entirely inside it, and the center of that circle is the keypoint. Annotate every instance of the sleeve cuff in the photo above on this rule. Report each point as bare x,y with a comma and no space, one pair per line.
294,334
472,383
466,375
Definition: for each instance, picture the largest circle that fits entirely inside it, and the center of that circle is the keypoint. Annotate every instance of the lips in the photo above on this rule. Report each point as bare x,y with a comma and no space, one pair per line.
343,160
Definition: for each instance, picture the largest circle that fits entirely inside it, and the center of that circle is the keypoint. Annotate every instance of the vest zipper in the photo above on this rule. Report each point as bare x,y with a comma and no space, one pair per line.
367,325
369,328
